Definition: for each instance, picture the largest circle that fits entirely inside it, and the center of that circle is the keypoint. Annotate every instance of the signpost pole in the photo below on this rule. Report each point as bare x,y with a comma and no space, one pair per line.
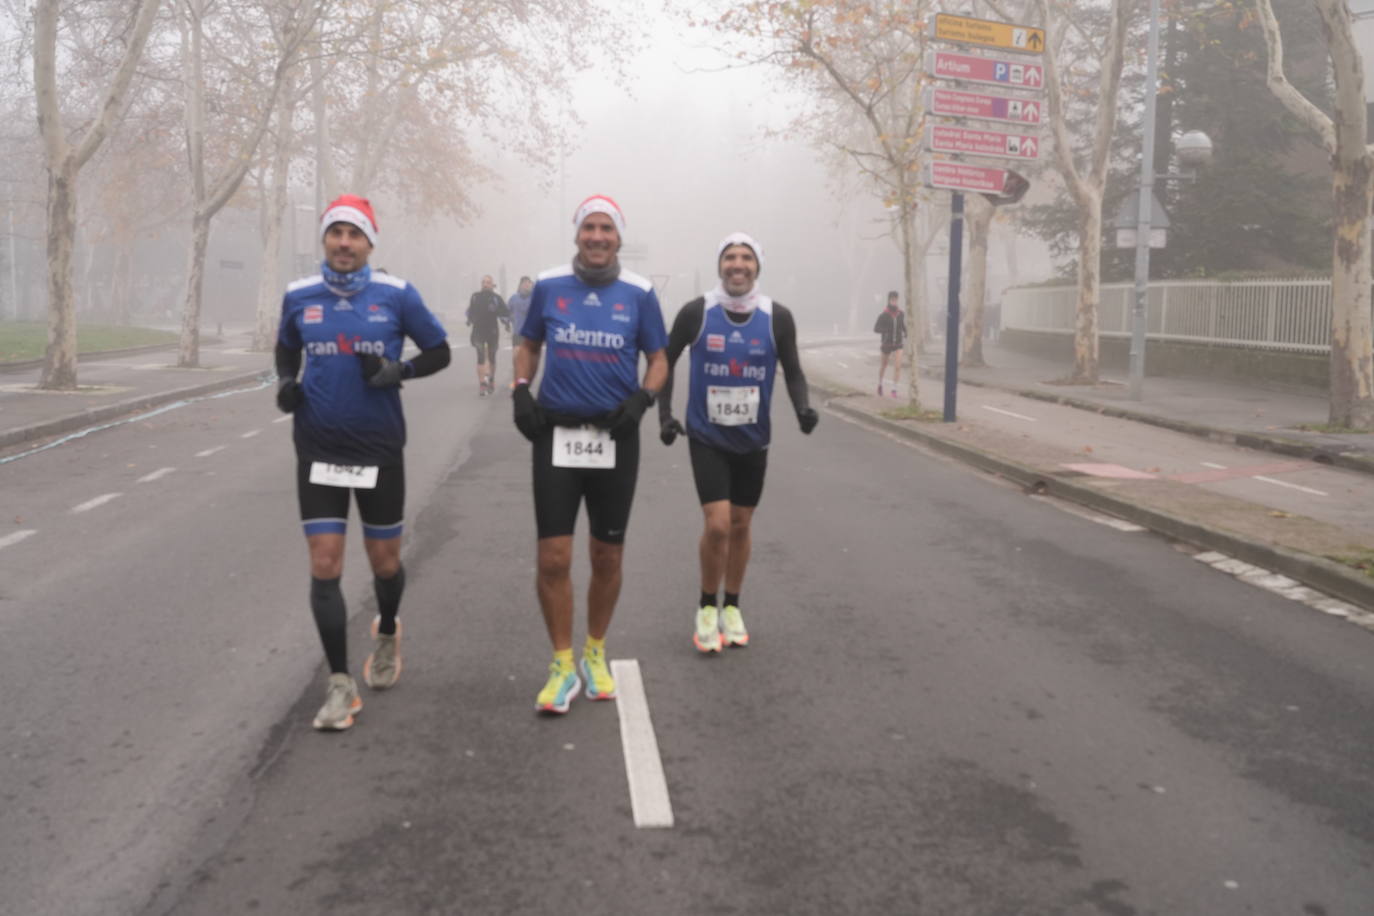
1139,310
956,269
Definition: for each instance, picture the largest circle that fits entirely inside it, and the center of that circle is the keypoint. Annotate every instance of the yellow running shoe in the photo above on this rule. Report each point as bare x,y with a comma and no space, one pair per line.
707,636
562,687
600,684
732,626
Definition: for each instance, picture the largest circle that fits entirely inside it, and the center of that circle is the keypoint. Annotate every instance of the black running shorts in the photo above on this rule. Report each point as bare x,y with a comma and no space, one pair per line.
558,492
735,476
486,347
324,509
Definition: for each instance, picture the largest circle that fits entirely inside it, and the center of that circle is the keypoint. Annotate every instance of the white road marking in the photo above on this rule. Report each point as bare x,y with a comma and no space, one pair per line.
100,500
842,365
160,472
1072,509
1213,464
643,766
209,451
1019,416
250,434
1260,577
17,536
282,419
1291,486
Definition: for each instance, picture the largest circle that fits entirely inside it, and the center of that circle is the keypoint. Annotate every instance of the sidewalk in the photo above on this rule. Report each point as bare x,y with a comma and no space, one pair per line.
115,385
1333,553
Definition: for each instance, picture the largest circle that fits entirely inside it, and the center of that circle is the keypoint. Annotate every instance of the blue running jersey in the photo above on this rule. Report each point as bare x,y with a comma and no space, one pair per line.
732,372
593,336
342,419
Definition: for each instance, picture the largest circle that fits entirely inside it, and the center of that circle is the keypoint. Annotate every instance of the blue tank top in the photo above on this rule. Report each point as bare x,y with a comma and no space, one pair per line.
733,367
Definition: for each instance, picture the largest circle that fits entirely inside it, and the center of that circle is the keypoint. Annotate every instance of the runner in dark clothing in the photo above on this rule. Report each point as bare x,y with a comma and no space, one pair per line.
486,313
891,325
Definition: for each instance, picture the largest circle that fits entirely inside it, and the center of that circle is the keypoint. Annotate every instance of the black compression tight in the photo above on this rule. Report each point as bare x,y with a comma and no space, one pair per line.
331,619
388,593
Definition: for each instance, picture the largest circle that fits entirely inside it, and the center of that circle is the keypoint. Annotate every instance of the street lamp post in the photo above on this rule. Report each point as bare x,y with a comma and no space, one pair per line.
1142,225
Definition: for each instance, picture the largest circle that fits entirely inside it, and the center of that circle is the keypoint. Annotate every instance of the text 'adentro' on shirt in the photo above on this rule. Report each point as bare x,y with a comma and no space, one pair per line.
593,336
342,418
731,388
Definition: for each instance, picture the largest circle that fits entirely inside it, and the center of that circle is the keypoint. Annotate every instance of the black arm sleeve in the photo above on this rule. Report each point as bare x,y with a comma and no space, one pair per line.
785,338
686,327
428,362
288,362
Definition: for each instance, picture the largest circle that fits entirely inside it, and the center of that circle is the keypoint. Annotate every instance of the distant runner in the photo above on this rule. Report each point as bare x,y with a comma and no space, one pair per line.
349,433
737,336
486,313
891,325
596,320
519,305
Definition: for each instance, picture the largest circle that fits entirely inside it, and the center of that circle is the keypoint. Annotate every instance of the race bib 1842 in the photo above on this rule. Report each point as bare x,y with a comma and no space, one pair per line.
356,476
583,447
732,405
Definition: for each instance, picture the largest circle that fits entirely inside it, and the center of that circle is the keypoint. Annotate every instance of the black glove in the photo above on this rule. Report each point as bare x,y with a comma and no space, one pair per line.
529,416
624,420
808,418
381,372
290,395
669,430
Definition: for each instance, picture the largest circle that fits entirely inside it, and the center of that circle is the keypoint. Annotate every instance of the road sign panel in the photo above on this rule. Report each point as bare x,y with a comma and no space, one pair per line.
946,139
1005,73
960,176
1006,36
956,103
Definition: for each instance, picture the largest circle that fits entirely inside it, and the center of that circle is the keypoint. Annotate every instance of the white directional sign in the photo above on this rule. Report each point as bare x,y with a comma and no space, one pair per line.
960,176
953,139
991,70
956,103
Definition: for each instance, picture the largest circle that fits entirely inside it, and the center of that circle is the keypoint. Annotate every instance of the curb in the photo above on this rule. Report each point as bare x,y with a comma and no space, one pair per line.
1350,461
123,351
97,415
1316,572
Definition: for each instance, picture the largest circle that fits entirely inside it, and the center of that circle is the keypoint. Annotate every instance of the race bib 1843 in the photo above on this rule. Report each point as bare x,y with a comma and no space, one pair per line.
732,405
356,476
583,447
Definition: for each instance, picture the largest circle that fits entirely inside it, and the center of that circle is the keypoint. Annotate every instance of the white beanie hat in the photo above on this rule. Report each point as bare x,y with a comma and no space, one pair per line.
740,238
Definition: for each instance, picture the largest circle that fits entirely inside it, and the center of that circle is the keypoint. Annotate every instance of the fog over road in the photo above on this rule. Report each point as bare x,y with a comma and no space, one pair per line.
957,699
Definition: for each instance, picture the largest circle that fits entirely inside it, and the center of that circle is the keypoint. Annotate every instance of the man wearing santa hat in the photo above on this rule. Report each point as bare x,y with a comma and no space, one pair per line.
737,337
595,320
349,431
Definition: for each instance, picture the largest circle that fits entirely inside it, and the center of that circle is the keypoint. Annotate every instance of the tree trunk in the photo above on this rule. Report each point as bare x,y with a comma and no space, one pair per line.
1352,400
188,356
59,360
979,217
1085,340
274,203
910,274
121,281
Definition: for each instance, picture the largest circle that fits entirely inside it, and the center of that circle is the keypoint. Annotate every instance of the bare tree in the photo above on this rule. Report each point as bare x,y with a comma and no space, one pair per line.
1352,191
64,156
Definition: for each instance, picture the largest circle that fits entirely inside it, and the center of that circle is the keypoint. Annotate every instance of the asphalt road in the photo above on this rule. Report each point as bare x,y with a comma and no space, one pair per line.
957,700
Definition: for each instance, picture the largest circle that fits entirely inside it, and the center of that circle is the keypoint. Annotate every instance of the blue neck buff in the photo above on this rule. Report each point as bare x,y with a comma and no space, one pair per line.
346,284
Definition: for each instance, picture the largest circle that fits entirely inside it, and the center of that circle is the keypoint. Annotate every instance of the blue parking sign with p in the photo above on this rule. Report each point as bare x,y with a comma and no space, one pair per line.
1000,72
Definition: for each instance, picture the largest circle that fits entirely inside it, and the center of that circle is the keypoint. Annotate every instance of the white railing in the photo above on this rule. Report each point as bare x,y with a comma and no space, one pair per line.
1293,315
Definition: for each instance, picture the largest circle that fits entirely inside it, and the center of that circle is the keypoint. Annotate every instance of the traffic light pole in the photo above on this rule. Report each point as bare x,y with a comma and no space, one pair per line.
956,270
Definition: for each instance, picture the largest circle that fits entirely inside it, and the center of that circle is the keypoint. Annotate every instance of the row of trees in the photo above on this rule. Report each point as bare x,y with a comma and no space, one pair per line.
164,112
862,63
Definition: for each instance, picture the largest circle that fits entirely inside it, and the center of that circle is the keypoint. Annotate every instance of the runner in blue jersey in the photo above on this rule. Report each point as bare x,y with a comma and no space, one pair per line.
351,325
595,321
737,336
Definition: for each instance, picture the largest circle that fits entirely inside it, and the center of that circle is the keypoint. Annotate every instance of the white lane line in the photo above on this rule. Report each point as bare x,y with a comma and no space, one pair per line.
282,419
100,500
643,766
250,434
1213,464
17,536
209,451
1019,416
842,365
1291,486
160,472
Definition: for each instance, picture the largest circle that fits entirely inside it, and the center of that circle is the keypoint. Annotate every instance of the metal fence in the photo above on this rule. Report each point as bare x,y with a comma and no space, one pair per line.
1291,315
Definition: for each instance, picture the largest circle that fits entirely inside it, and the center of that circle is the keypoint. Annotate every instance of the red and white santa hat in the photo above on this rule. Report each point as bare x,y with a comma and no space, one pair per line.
354,210
600,203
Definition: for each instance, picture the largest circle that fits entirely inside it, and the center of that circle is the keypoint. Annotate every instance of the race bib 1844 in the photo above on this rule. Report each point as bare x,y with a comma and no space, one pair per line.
583,447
